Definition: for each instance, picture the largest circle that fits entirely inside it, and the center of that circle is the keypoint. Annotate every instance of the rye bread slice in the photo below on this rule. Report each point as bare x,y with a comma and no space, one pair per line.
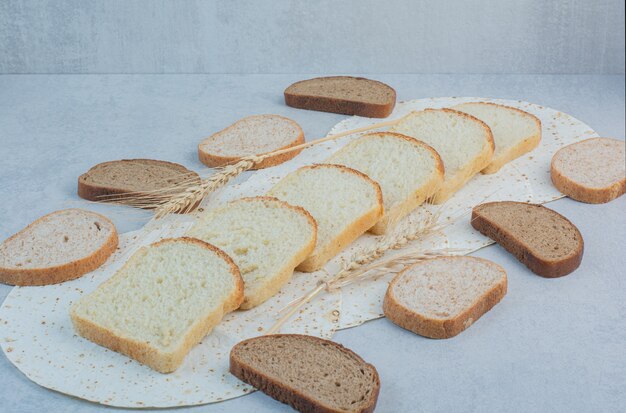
135,177
308,373
591,171
343,94
542,239
441,297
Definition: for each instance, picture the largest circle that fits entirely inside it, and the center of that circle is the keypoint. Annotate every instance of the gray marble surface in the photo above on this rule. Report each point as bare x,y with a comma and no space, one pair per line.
290,36
550,345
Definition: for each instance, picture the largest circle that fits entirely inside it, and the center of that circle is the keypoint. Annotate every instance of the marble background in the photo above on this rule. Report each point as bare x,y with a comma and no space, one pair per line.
325,36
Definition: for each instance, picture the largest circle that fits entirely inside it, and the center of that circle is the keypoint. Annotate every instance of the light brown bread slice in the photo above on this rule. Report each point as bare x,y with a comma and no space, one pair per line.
57,247
441,297
162,302
380,156
343,94
266,238
592,171
254,135
542,239
515,132
308,373
344,202
464,143
136,177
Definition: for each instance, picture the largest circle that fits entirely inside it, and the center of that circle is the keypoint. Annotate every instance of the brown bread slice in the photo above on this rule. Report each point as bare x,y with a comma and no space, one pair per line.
57,247
308,373
132,176
592,171
440,298
542,239
343,94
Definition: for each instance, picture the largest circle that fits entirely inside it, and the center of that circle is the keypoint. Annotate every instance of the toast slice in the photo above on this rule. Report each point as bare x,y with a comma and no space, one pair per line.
266,238
464,143
308,373
441,297
57,247
515,132
380,156
136,177
254,135
591,171
162,302
343,94
344,202
542,239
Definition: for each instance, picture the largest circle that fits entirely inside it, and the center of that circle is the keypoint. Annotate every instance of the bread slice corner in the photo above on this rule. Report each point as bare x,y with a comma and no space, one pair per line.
441,297
464,143
161,302
344,202
515,132
266,237
380,156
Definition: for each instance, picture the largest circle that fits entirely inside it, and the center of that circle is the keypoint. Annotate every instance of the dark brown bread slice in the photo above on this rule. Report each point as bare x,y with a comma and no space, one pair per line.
132,176
343,94
542,239
308,373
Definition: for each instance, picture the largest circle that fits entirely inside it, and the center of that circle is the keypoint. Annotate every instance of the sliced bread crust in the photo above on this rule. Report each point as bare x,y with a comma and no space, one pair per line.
400,148
542,239
285,391
448,324
591,171
292,190
225,228
448,143
21,274
132,177
504,151
149,353
346,95
211,151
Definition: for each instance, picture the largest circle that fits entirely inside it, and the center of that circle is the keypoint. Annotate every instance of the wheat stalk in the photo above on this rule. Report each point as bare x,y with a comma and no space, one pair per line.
186,195
367,262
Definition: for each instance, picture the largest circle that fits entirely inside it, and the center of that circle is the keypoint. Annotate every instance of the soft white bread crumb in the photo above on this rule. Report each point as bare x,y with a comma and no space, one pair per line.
515,132
162,302
407,170
344,202
267,238
464,143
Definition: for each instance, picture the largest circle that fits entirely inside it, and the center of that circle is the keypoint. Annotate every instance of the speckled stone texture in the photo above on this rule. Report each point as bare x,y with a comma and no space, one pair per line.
551,345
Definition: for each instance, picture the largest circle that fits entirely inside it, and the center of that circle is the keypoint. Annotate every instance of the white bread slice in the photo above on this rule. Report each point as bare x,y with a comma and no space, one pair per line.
592,171
57,247
162,302
381,156
515,132
441,297
266,238
464,143
344,202
254,135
